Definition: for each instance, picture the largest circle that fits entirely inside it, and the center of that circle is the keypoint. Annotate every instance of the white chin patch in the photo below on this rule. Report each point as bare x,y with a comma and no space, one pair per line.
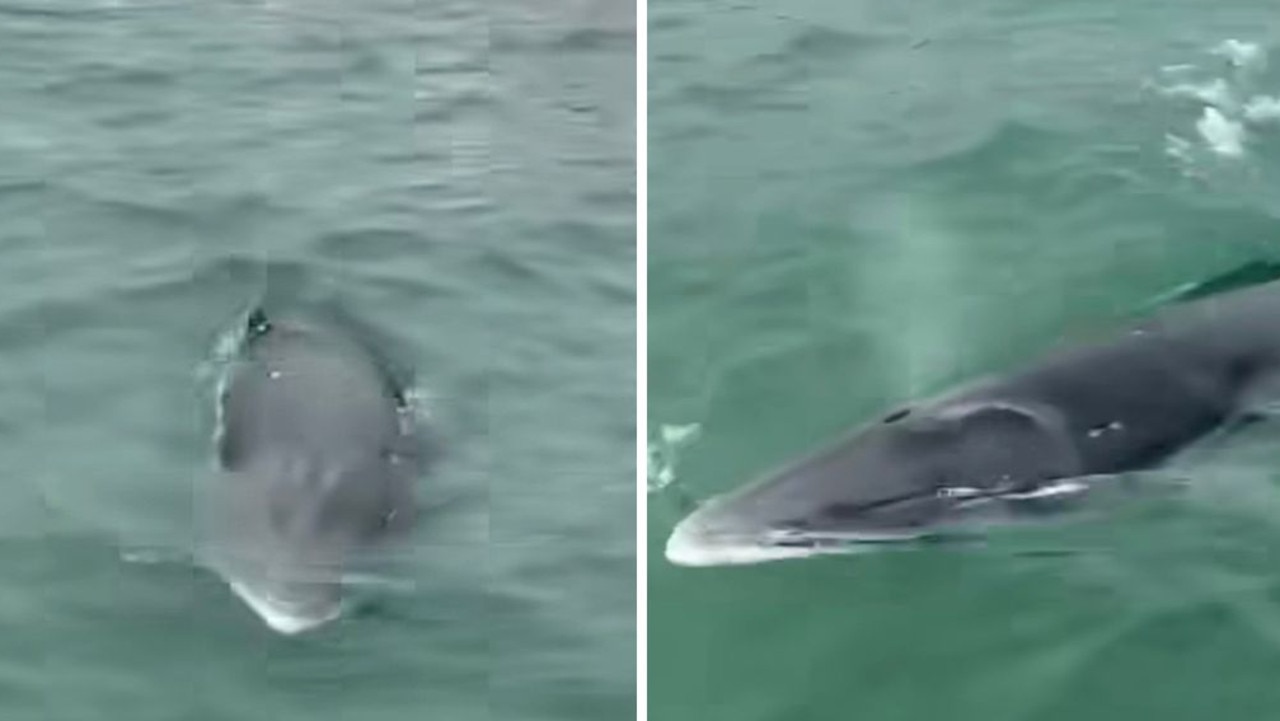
690,545
683,552
279,617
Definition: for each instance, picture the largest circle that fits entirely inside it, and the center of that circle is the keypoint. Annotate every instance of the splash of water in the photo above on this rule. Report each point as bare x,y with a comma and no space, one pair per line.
664,453
1239,53
1231,106
1223,135
1261,109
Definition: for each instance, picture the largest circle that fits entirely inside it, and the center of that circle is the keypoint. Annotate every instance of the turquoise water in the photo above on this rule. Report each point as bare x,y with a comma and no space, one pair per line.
457,174
856,203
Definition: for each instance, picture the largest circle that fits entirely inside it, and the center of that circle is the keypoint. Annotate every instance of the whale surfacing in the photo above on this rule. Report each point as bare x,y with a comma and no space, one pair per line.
1024,445
317,455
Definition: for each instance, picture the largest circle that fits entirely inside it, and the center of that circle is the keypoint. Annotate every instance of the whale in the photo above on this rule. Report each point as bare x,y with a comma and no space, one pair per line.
317,454
1023,445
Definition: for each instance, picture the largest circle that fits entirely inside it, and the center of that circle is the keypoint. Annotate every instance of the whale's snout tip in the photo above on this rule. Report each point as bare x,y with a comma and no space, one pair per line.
710,537
284,616
685,546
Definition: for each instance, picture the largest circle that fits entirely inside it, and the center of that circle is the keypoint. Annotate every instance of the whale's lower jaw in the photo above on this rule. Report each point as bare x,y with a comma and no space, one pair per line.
681,551
278,616
695,543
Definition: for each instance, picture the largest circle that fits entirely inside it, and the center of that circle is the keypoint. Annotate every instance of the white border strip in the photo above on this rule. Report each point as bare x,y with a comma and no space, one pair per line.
642,368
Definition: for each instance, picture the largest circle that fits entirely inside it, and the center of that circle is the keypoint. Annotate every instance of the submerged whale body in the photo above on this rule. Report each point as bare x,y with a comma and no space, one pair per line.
1020,446
318,456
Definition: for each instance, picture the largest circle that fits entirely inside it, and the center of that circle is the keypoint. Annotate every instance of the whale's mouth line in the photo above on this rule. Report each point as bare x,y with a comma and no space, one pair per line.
690,544
693,549
697,541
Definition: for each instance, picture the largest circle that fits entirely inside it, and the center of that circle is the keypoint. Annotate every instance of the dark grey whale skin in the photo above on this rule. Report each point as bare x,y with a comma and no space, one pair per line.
1122,404
319,456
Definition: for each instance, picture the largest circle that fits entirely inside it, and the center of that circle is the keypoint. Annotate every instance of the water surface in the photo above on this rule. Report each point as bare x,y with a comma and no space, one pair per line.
856,203
457,174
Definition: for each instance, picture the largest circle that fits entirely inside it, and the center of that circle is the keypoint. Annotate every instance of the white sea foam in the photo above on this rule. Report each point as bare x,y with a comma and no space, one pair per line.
1214,92
1221,134
1262,108
1177,148
1232,108
1239,53
664,453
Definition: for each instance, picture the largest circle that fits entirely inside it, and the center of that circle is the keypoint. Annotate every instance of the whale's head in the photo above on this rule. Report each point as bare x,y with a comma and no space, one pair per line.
911,475
283,533
318,449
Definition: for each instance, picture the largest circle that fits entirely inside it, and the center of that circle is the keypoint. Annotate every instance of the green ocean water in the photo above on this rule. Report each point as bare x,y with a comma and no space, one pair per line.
857,203
458,174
